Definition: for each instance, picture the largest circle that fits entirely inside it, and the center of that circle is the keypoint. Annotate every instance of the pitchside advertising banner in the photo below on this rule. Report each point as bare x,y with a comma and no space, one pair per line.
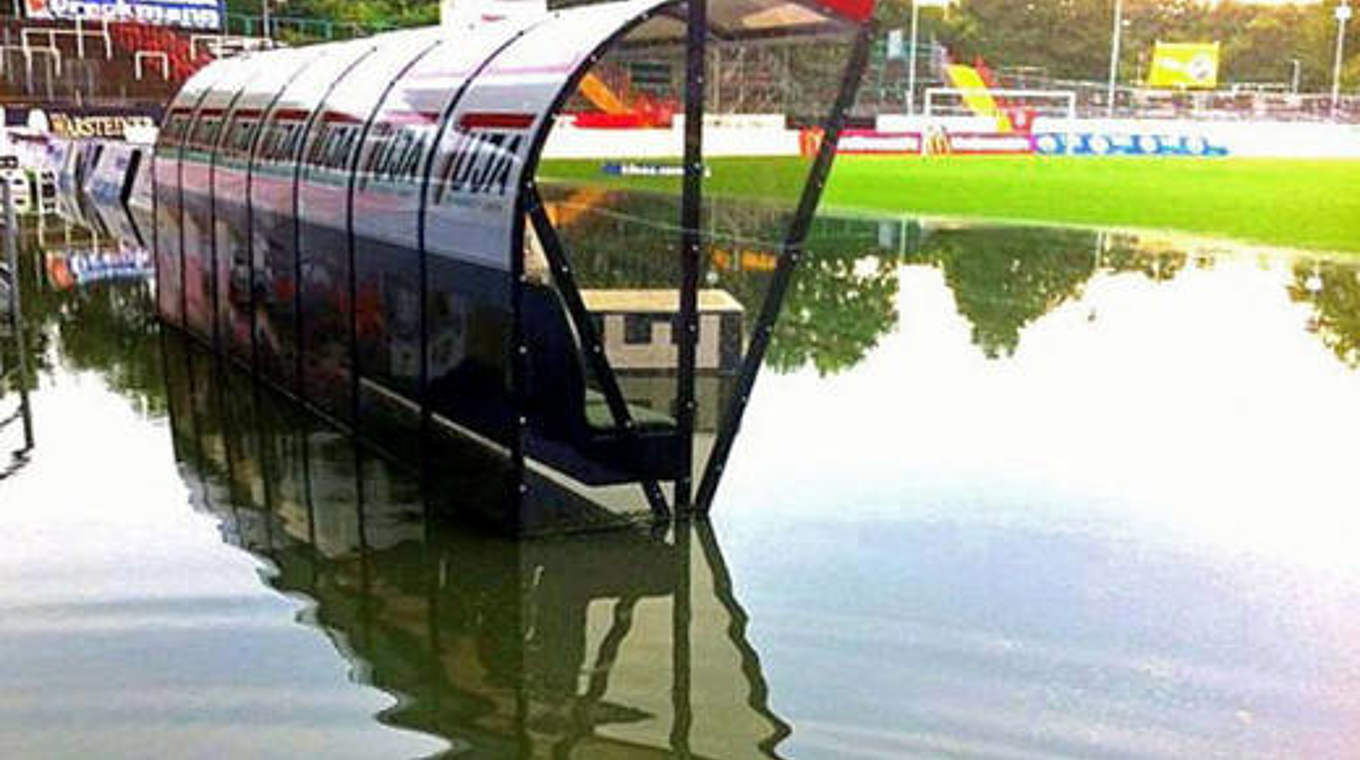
1076,143
1184,65
188,14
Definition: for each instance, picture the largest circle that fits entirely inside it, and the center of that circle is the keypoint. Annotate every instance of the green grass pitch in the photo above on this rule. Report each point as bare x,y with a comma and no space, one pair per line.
1288,202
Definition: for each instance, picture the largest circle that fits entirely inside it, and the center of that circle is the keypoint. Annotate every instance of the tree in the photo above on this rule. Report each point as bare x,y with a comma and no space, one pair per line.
1071,38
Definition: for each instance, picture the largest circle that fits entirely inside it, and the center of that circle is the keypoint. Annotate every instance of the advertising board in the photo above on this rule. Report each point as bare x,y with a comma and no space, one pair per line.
70,269
1184,65
989,143
1127,144
106,127
186,14
868,141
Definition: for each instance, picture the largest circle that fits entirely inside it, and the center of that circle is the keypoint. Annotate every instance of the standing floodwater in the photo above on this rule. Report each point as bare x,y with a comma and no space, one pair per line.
1004,492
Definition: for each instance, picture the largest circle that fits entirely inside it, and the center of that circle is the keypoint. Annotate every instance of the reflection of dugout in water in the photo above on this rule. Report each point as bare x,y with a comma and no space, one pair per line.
505,648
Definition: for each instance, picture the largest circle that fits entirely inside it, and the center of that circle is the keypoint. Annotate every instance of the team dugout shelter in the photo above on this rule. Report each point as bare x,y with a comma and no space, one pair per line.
361,225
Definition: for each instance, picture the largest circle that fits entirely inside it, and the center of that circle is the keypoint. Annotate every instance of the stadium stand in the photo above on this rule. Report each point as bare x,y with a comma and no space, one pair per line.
56,63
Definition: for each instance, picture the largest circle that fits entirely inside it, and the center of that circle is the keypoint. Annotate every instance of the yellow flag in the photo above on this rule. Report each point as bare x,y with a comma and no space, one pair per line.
976,95
1184,65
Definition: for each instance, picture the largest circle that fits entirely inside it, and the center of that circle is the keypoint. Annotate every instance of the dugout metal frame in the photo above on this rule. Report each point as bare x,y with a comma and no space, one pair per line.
534,110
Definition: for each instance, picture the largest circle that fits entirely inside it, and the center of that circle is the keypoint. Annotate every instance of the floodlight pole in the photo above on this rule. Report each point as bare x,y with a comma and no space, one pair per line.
1115,42
1343,14
911,64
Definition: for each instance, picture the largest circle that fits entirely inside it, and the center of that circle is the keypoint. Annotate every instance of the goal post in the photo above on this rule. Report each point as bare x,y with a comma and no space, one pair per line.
994,104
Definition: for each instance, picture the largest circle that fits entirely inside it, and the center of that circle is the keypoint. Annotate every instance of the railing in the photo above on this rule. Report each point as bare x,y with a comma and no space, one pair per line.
79,32
52,57
141,56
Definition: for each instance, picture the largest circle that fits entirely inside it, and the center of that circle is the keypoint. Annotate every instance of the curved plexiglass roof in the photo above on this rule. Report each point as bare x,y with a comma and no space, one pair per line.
435,125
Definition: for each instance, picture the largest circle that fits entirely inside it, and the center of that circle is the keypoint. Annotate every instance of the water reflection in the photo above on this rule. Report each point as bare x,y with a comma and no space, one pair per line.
1102,509
1333,290
841,305
618,642
844,298
91,298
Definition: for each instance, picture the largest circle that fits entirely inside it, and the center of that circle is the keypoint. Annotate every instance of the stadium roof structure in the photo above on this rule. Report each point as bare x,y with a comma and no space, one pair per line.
331,177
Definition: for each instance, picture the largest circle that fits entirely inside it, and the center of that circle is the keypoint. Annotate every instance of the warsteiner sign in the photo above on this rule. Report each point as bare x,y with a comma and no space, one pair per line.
104,127
187,14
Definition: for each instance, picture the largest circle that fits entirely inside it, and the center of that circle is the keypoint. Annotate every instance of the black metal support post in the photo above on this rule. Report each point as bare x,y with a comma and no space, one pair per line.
788,261
585,327
16,317
519,369
682,615
691,244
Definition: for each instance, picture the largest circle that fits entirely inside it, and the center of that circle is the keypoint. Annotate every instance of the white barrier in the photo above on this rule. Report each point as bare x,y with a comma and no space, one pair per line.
1250,139
749,138
765,135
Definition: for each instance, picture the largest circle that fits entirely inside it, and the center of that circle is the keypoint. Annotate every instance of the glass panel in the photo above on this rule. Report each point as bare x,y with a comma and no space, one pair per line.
231,218
273,218
589,465
768,100
196,159
476,172
323,206
168,249
612,181
387,192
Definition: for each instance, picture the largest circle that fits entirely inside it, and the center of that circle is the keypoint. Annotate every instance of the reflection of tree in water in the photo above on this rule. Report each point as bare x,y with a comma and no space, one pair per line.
108,328
1333,289
1127,253
111,329
842,299
1005,278
838,307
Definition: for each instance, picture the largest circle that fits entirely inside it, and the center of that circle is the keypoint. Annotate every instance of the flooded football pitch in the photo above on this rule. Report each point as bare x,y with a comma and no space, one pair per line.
1000,492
